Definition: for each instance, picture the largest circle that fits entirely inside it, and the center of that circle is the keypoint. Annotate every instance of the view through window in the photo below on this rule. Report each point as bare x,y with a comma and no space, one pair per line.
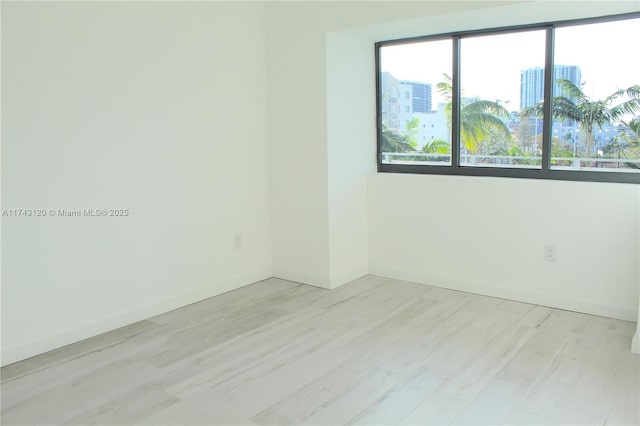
482,95
594,123
415,110
494,129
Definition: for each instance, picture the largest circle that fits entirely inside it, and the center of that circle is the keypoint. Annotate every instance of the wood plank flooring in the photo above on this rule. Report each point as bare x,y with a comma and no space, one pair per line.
373,352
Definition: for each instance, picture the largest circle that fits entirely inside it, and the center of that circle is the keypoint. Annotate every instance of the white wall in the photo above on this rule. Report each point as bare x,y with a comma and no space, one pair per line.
155,107
351,155
487,236
297,147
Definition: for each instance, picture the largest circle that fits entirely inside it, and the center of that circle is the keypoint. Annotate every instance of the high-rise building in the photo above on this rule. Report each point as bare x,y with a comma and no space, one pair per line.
532,82
531,86
401,99
421,95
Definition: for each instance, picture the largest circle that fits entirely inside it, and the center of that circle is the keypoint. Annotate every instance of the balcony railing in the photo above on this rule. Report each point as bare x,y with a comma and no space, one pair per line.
513,161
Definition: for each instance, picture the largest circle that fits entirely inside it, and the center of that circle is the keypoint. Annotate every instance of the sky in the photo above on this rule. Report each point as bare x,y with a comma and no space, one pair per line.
490,65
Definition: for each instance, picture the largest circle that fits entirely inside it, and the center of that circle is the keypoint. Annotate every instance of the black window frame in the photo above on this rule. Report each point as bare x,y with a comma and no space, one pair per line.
455,168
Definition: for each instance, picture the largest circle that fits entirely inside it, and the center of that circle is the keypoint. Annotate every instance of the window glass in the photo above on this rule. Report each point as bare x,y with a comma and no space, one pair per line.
415,127
500,76
596,72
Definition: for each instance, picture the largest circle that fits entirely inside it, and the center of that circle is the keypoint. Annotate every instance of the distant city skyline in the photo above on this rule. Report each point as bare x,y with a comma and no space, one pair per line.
531,87
402,101
532,82
491,65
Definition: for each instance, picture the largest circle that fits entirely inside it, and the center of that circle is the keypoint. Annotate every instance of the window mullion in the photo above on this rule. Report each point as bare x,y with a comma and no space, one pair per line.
455,104
547,116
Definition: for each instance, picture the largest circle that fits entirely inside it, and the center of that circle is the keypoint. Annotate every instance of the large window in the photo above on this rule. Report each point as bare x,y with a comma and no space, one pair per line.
553,101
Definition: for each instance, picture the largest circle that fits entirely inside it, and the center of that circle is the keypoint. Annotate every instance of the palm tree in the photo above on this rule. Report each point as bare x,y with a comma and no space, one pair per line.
392,141
407,141
478,118
436,146
631,134
630,137
573,104
411,132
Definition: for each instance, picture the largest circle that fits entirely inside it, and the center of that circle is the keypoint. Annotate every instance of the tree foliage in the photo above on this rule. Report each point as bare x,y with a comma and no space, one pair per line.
392,141
629,142
479,119
436,146
575,105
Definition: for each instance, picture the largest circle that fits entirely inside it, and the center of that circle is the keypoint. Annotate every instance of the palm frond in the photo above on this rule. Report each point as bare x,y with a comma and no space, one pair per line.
629,107
536,110
565,109
470,136
570,90
391,141
436,146
634,126
489,107
445,87
487,122
632,92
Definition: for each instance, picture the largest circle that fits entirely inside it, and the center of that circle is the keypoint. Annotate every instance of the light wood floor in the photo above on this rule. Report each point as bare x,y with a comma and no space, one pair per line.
375,351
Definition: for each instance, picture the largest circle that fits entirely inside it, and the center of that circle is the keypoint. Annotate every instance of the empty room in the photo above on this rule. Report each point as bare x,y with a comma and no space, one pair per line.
320,213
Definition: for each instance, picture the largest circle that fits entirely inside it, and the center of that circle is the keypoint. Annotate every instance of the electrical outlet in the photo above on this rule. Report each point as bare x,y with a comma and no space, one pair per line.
550,253
237,241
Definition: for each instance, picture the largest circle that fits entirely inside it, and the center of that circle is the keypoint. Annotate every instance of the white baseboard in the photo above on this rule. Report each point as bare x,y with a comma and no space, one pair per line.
322,282
342,279
12,354
301,278
517,295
